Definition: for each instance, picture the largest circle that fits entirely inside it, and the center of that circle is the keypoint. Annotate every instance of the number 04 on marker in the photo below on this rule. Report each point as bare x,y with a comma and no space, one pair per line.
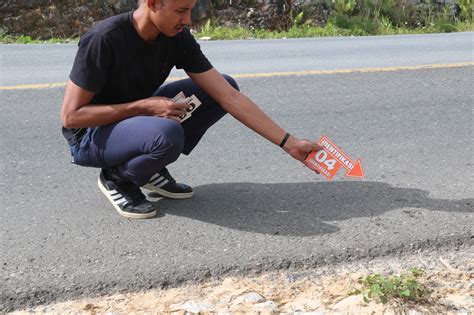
329,160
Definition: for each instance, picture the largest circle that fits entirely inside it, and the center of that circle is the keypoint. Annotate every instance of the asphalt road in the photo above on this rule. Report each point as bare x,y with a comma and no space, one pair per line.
32,64
255,208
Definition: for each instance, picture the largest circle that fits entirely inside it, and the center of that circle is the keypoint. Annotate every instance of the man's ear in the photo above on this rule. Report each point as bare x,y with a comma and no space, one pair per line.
151,4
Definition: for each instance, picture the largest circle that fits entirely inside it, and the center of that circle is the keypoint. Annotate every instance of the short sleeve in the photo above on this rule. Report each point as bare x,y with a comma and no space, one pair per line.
92,63
191,57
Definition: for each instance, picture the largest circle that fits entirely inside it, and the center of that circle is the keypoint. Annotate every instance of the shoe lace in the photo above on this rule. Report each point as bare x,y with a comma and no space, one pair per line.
166,174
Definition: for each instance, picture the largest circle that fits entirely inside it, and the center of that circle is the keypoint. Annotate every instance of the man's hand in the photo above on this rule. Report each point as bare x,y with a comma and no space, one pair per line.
299,149
164,107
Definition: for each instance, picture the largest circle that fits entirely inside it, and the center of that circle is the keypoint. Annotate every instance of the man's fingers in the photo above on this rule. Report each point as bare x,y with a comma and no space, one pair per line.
180,106
175,118
176,112
317,147
316,171
314,147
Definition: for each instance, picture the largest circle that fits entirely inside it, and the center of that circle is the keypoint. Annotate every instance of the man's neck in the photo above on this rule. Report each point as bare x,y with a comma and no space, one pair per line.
142,24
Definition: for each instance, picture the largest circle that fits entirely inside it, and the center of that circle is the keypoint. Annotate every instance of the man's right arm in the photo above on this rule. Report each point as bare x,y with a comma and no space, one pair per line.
78,112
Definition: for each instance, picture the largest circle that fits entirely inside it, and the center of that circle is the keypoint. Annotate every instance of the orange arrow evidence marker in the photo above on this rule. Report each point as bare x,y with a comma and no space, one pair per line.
330,159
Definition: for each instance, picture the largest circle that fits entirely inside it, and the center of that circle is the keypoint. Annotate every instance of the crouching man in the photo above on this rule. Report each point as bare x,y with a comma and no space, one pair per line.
118,116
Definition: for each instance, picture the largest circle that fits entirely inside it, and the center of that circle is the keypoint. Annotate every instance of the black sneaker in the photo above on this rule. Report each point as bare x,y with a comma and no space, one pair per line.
125,196
163,184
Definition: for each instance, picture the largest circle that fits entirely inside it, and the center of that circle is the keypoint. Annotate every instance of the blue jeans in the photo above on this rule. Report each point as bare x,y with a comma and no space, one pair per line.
140,146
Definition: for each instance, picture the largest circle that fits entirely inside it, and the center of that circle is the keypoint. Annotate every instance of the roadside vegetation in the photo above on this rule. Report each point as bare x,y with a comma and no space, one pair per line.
360,18
9,39
346,18
398,289
338,27
383,285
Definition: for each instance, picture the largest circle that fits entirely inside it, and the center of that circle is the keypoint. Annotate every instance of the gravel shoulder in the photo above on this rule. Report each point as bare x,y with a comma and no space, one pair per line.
449,274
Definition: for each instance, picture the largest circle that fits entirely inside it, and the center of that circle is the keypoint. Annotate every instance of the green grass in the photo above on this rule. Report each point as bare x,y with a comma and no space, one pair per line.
406,287
8,39
336,26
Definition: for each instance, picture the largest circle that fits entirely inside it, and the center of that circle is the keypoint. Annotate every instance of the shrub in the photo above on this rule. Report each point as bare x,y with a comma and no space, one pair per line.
403,288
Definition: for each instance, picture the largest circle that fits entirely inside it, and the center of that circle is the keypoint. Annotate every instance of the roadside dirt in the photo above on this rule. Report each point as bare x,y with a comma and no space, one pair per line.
449,274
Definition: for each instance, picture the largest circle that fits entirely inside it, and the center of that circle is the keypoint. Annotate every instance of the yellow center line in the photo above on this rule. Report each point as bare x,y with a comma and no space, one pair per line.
277,74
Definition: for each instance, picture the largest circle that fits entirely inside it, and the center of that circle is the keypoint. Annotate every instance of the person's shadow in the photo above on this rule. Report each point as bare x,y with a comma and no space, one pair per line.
299,209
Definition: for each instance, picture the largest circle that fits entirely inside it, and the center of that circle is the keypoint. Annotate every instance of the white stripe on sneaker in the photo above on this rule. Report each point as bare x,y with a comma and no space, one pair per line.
162,183
120,201
158,180
116,197
154,177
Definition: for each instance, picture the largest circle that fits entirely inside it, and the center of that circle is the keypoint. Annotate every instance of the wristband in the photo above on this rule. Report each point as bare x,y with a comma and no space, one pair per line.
282,144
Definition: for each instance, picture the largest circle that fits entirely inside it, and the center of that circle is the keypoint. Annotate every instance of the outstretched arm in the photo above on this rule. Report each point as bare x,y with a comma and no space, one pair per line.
248,113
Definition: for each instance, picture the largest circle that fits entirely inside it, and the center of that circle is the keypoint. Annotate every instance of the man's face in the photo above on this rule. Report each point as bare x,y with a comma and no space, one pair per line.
172,15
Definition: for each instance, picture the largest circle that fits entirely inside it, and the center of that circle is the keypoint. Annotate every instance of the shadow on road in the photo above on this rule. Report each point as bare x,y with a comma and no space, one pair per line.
300,209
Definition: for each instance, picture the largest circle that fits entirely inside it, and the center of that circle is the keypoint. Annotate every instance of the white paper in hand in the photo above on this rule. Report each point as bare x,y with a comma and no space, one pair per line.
178,97
192,102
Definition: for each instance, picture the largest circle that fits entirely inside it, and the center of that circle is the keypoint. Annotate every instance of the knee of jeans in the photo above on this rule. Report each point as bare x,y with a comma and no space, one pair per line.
232,82
170,142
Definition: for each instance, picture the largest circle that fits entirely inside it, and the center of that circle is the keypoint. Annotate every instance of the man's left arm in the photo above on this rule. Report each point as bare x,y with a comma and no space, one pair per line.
247,112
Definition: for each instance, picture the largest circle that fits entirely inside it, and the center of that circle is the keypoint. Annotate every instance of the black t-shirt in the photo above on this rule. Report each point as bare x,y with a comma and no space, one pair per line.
116,64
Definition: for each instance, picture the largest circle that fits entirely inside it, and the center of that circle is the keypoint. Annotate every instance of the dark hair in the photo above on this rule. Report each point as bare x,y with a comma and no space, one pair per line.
139,2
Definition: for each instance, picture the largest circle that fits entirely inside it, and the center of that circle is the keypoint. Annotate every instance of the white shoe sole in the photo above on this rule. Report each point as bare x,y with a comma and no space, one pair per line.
168,194
123,213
